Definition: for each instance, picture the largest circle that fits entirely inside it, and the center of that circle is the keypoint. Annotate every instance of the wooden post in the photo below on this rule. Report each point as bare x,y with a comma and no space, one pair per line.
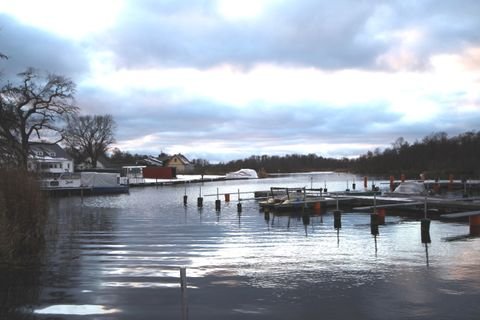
217,202
381,216
183,287
425,230
317,206
239,204
474,225
337,219
185,197
200,198
425,207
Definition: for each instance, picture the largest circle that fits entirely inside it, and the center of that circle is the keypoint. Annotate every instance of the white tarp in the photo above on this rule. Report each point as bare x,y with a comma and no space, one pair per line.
242,174
410,187
99,179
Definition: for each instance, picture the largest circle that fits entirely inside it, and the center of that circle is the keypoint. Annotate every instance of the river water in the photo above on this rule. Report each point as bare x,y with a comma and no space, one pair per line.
118,257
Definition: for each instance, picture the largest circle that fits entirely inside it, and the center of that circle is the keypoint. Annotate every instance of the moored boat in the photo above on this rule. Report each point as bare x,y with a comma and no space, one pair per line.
242,174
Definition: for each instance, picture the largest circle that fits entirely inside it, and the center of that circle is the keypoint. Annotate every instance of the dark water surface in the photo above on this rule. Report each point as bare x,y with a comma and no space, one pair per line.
118,257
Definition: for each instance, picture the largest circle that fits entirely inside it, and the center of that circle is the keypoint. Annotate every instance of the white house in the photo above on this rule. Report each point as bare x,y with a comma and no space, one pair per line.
49,160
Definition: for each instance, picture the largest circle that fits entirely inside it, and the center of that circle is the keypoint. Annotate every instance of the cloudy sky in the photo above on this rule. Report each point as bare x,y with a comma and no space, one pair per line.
226,79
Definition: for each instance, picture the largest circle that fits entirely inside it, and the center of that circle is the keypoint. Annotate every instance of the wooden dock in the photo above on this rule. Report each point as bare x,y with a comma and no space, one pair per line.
302,199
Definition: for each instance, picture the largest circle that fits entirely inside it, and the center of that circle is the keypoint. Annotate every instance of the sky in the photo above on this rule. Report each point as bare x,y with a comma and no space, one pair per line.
226,79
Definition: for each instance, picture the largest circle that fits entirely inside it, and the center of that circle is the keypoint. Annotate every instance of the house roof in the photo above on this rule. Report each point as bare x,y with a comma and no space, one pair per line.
49,150
152,161
180,157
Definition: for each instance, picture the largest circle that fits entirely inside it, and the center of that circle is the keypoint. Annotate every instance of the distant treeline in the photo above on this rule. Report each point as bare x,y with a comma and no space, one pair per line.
436,155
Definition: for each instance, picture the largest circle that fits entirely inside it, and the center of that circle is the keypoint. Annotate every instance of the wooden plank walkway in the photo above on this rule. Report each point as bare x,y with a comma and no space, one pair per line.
461,214
392,205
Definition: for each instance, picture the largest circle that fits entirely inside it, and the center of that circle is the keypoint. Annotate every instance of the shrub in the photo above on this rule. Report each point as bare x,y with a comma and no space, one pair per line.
23,216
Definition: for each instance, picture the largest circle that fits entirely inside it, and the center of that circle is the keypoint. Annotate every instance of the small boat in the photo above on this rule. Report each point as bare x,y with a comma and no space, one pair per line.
67,180
85,183
242,174
280,199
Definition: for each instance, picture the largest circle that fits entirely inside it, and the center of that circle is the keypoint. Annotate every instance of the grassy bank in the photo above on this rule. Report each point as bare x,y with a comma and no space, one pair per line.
23,215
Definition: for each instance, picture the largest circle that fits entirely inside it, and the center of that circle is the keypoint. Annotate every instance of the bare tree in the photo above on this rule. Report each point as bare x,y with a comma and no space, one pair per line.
33,109
90,135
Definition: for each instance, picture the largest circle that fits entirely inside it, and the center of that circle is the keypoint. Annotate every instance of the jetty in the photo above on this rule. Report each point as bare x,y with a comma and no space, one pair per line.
304,200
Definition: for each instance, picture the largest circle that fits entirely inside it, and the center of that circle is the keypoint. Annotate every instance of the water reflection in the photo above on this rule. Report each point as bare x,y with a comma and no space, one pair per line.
123,253
80,310
20,287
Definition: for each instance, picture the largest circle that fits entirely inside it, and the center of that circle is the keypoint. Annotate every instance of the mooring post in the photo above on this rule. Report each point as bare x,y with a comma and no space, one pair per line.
217,202
425,207
200,199
183,287
425,235
185,197
239,204
425,230
374,222
474,225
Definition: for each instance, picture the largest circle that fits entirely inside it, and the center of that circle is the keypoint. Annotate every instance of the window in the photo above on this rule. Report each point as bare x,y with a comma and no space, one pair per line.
39,153
52,154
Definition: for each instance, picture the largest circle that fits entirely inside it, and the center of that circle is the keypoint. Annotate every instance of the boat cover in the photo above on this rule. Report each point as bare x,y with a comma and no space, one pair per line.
242,174
410,187
99,179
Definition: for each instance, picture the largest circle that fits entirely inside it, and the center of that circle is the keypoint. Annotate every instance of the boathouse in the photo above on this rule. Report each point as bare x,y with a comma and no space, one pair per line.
180,163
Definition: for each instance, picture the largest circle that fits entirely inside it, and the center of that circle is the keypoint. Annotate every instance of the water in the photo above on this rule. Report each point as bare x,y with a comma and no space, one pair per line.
118,257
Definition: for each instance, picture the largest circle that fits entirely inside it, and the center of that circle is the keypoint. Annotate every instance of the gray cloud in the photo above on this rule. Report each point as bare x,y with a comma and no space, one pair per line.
29,47
329,35
303,34
325,34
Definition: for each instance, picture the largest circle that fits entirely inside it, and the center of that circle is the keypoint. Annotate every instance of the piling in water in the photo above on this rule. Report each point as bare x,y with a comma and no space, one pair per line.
183,287
337,219
374,222
425,230
474,225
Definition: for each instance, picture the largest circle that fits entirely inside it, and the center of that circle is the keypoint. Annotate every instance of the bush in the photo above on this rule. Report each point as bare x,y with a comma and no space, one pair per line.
23,216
